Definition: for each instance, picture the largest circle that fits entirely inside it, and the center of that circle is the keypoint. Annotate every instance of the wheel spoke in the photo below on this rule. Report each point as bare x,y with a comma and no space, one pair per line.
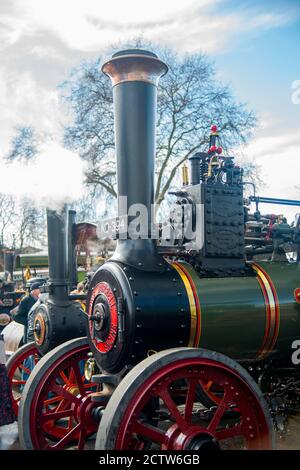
190,397
25,369
165,396
67,438
222,407
18,382
82,439
52,400
70,423
78,378
151,432
67,395
56,415
64,377
208,385
71,375
36,359
227,433
89,385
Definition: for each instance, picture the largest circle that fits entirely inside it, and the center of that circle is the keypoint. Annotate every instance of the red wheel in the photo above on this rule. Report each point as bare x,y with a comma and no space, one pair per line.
57,410
144,412
19,367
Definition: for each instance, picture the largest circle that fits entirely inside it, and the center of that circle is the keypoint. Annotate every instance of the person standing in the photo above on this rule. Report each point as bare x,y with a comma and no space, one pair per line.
25,305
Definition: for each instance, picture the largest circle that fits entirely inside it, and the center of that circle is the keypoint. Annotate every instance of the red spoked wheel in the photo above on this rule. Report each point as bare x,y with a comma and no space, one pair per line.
19,367
57,410
144,412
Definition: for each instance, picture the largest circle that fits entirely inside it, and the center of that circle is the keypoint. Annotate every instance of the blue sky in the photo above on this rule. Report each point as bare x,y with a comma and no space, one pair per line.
261,66
254,44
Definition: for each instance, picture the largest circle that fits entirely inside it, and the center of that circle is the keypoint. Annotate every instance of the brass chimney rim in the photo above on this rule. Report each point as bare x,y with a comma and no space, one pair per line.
134,65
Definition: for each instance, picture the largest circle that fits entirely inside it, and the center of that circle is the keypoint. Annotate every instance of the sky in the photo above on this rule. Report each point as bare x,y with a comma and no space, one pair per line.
254,46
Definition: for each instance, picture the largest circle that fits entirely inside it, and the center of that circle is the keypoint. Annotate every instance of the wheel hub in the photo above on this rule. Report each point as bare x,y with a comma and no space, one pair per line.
203,442
100,317
39,329
73,389
85,414
194,438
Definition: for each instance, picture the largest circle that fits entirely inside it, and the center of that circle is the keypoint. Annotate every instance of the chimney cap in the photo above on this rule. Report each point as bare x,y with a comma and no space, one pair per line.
134,65
127,52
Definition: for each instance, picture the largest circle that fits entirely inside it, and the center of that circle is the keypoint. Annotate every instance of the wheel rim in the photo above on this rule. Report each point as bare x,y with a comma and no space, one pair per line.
17,366
62,410
237,421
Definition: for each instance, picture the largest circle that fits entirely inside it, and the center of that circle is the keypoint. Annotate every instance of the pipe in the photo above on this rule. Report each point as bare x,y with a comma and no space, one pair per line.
195,167
57,254
274,200
72,259
134,75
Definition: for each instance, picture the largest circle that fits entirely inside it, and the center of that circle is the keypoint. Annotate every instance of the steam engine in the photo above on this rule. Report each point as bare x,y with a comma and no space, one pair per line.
175,324
59,318
202,292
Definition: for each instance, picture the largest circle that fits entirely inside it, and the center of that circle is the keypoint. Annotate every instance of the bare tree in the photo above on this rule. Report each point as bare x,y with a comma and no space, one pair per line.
7,214
24,144
189,100
30,224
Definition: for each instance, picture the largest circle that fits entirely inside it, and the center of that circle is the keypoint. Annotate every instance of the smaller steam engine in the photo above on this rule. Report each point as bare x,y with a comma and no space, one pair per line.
189,337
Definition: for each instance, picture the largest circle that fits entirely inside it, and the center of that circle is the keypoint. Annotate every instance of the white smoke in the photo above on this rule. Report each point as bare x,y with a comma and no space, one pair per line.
54,177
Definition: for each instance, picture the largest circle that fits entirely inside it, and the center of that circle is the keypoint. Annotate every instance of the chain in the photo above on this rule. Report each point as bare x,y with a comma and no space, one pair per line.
283,401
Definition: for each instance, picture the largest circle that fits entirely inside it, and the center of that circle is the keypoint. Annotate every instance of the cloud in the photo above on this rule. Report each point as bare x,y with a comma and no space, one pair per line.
24,102
55,176
279,158
90,26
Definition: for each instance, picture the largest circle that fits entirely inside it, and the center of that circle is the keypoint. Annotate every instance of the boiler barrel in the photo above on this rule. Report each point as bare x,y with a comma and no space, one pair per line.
247,318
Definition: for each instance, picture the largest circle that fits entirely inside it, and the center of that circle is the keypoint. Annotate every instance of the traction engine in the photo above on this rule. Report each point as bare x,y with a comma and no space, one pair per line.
59,315
189,337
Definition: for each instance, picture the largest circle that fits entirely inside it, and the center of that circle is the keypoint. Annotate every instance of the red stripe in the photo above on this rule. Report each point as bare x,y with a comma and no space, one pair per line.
275,334
198,327
268,317
277,308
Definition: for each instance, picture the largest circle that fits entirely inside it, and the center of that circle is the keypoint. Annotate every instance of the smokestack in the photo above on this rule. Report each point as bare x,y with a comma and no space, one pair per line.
135,75
57,254
72,261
